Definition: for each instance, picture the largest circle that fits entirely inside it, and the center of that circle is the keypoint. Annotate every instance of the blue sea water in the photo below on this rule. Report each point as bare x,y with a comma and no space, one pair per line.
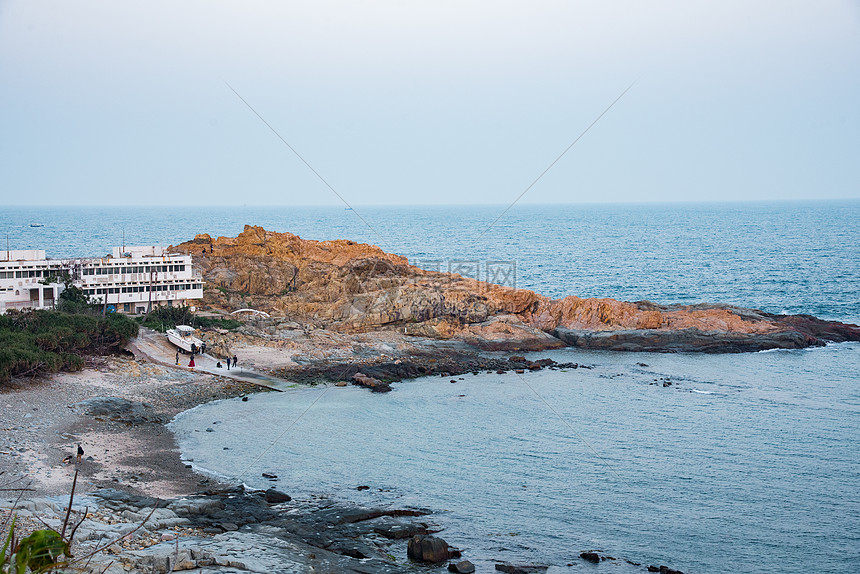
746,463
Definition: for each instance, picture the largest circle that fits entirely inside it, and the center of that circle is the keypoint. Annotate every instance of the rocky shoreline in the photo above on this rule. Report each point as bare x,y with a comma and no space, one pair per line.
423,364
232,530
117,409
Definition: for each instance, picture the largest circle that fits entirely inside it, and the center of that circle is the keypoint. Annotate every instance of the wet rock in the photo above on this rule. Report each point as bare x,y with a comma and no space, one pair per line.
273,496
423,548
685,340
461,567
396,529
521,568
593,557
374,384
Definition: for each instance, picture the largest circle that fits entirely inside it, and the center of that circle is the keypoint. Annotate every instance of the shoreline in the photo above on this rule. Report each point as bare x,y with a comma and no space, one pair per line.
131,459
131,447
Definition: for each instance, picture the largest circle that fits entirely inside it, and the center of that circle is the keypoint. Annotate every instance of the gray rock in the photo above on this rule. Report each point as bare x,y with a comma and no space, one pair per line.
461,567
276,496
117,409
521,568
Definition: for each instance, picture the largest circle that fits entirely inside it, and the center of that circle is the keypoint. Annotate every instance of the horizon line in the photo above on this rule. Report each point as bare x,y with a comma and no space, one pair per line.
340,206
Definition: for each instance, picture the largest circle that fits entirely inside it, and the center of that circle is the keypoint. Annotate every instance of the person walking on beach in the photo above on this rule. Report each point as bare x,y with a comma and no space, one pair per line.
228,363
235,360
177,357
191,362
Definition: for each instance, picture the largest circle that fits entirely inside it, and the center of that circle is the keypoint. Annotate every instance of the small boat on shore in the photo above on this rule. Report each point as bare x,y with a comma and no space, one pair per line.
183,337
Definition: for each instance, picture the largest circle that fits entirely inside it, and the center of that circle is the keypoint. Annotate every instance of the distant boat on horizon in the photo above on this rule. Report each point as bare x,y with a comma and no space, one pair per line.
37,225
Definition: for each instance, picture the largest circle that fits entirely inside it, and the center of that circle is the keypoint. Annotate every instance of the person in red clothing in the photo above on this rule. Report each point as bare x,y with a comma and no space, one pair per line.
191,362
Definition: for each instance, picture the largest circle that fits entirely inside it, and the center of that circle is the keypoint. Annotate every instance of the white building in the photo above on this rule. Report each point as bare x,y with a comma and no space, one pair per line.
127,281
20,274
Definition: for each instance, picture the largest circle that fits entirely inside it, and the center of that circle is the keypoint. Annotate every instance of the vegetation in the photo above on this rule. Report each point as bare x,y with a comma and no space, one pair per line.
40,342
164,318
47,550
39,552
72,299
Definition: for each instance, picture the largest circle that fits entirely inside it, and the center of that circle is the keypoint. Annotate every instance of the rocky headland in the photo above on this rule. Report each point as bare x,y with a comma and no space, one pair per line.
347,287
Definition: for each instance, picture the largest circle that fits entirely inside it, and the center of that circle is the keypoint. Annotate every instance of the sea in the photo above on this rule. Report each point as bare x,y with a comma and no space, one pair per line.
743,463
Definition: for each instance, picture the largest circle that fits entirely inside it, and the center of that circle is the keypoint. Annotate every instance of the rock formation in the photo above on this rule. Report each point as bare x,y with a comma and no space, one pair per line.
351,287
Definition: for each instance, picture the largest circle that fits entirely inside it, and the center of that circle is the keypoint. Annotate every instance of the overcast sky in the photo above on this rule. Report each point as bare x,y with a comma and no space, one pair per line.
436,102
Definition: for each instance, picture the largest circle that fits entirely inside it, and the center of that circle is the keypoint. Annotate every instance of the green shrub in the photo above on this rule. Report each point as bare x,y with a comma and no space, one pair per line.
163,318
218,322
37,342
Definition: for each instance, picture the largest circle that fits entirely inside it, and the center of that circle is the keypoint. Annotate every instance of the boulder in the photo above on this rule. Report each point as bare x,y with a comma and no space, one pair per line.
273,496
424,548
461,567
375,385
593,557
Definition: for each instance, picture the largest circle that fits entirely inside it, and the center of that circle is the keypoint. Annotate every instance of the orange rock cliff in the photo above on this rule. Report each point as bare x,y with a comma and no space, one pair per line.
351,287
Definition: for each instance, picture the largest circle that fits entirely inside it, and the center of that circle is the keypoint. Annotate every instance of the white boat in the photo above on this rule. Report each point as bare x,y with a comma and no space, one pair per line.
183,337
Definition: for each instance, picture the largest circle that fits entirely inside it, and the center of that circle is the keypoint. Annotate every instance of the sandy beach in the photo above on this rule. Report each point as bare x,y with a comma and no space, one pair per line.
40,427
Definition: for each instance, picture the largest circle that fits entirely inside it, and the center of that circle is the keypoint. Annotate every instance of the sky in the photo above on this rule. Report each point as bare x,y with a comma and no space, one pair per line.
428,102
